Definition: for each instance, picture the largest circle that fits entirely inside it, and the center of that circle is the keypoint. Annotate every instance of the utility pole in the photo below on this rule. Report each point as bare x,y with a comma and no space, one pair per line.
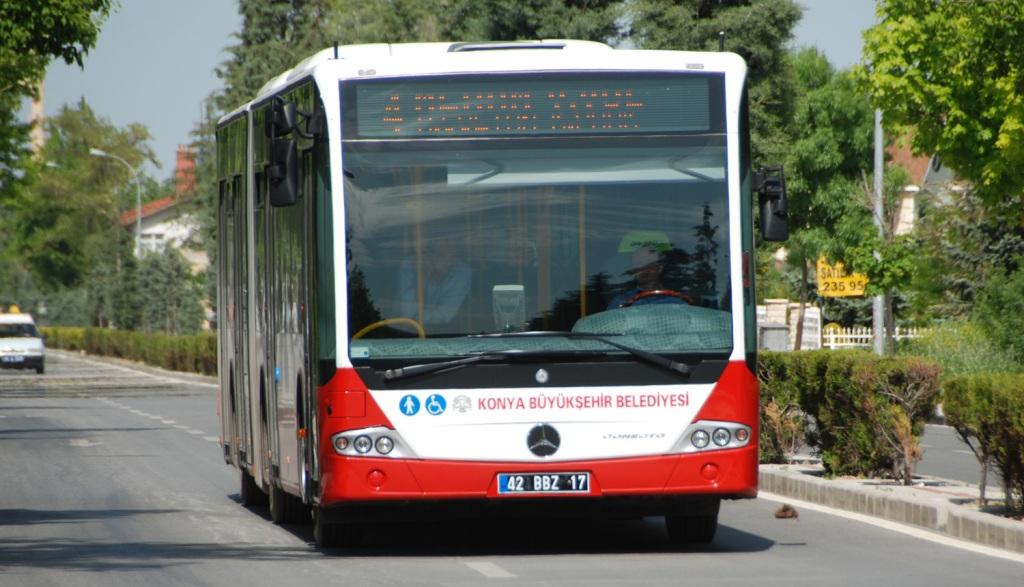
878,303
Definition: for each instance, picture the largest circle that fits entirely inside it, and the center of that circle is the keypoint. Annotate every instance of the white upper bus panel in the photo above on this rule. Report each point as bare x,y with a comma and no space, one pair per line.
381,59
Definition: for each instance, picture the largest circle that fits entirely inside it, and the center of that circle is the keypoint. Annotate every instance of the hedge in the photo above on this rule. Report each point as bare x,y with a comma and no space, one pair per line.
865,414
987,411
190,353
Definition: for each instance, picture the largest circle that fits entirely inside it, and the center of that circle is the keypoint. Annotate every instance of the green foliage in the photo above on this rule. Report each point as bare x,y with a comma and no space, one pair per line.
987,411
758,31
275,35
196,353
783,422
31,34
64,215
509,20
868,412
961,348
952,72
830,151
168,293
963,243
999,312
69,338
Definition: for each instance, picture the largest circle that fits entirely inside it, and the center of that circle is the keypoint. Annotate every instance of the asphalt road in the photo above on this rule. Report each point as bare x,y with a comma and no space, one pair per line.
946,456
113,477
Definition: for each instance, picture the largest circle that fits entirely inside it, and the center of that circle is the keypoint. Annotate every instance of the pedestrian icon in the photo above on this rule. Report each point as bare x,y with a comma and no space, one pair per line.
435,404
409,405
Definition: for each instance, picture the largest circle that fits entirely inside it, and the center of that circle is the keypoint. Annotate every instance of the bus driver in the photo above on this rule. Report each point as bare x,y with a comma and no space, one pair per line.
647,263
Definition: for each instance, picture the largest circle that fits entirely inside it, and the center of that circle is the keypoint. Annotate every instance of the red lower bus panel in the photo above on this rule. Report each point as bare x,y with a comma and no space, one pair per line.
345,405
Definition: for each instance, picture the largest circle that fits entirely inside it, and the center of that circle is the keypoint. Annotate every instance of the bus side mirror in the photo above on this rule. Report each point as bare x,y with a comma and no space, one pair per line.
283,172
280,118
770,187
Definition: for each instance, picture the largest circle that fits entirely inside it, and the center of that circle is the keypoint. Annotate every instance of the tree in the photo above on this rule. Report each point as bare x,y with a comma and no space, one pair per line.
951,71
756,30
67,209
889,260
31,34
830,150
169,293
510,20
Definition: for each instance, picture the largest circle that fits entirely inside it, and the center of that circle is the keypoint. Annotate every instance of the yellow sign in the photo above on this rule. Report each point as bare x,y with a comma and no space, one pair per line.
833,282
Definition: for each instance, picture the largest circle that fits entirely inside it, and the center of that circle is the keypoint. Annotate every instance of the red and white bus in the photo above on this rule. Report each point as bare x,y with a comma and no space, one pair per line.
508,277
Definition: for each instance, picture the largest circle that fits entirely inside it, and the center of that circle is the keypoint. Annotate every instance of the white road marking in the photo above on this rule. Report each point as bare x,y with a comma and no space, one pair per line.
895,527
82,442
489,570
963,452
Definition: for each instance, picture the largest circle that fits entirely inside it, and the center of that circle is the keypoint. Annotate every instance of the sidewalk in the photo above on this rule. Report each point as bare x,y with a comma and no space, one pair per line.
942,506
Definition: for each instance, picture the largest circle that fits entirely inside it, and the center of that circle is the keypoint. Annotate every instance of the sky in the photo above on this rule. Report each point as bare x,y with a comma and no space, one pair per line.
155,60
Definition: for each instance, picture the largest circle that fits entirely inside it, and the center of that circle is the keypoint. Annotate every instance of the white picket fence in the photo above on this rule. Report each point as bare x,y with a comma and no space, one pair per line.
861,336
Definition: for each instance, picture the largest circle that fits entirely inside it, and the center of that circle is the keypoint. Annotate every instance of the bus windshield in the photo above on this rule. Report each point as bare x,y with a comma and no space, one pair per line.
621,236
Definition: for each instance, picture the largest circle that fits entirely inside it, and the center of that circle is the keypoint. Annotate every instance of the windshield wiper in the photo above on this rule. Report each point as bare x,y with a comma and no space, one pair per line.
652,358
492,357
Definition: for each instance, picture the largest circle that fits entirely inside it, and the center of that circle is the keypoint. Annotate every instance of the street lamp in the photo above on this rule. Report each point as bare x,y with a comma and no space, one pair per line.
138,195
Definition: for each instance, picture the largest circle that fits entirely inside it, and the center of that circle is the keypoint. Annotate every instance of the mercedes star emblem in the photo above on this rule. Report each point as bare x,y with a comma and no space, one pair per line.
543,440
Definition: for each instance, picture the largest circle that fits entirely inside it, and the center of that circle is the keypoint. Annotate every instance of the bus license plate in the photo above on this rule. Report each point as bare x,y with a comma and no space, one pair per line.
513,483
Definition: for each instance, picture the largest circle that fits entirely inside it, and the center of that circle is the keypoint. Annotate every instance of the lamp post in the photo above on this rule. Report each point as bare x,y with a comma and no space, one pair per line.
138,195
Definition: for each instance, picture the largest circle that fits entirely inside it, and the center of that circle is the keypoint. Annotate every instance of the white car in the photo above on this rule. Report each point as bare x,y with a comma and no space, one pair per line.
21,345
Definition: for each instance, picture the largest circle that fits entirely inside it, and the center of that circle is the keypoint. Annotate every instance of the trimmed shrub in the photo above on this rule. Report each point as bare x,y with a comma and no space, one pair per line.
987,411
195,353
868,412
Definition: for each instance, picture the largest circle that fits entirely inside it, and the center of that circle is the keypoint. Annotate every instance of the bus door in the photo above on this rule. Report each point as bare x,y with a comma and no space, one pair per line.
240,292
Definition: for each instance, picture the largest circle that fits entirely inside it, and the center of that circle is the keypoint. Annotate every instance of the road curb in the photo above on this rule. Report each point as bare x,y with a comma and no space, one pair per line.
936,505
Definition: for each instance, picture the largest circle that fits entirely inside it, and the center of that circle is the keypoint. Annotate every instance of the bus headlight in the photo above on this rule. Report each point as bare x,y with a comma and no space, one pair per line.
384,445
706,435
700,438
721,436
377,441
362,444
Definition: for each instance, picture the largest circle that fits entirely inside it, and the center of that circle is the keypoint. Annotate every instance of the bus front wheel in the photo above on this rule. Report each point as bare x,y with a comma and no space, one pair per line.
334,535
694,527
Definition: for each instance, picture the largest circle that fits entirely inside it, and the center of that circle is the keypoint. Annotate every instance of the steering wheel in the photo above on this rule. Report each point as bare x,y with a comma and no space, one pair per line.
657,293
389,321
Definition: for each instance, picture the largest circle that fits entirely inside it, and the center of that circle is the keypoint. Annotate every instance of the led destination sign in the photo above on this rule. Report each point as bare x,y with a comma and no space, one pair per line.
536,106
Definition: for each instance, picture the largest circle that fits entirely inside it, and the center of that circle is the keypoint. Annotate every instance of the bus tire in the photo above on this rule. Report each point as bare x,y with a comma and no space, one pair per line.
334,535
691,530
284,507
251,494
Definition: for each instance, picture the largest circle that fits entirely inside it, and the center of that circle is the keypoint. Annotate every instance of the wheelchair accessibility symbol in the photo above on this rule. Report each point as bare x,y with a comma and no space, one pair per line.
435,404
